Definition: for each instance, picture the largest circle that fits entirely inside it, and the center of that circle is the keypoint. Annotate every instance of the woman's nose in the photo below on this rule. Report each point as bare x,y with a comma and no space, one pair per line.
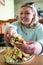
23,15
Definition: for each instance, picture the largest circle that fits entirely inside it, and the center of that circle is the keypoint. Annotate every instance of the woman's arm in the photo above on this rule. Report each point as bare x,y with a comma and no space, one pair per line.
31,48
9,31
9,26
39,36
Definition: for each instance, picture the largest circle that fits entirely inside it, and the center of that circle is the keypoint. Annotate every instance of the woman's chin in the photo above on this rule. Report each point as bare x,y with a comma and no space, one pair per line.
26,22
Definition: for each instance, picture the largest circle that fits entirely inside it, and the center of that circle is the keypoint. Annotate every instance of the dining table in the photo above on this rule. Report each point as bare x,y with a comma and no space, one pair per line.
37,60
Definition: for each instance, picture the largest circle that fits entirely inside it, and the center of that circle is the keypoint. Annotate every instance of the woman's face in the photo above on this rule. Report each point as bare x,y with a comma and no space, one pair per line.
26,15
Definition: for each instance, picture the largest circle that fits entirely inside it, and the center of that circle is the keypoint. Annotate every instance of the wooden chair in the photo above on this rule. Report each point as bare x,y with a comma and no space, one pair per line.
41,21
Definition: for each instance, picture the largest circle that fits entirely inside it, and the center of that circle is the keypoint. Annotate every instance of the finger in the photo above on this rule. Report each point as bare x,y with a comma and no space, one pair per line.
6,37
24,49
31,42
30,51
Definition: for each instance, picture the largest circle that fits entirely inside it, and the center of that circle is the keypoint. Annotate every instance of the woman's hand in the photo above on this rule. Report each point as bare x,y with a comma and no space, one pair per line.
36,46
9,34
30,48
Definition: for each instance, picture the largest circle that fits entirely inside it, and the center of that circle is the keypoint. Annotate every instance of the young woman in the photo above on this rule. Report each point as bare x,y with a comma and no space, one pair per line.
29,28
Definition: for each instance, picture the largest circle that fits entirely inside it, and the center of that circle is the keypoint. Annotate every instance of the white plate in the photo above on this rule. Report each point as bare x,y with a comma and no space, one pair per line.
2,49
30,59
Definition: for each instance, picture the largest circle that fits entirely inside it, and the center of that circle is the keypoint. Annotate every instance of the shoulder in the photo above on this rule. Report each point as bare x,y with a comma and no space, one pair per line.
39,27
16,23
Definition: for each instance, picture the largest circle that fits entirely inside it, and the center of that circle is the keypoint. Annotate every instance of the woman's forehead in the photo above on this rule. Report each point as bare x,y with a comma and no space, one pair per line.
26,9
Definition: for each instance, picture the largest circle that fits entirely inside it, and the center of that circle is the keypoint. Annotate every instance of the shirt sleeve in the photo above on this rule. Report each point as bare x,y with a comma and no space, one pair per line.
10,26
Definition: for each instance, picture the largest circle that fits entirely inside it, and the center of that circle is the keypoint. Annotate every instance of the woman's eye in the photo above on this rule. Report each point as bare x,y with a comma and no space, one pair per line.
21,13
27,13
24,13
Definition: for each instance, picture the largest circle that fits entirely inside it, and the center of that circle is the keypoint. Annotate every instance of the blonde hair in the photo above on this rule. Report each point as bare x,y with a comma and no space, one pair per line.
36,18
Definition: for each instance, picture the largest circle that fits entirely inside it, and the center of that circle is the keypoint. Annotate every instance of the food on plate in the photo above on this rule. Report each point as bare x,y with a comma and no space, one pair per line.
15,55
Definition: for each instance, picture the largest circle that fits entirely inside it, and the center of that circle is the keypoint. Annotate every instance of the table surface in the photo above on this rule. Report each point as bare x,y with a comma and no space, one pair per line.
37,60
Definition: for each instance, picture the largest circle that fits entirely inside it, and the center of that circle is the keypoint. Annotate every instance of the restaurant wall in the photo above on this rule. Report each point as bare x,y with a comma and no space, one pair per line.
7,10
